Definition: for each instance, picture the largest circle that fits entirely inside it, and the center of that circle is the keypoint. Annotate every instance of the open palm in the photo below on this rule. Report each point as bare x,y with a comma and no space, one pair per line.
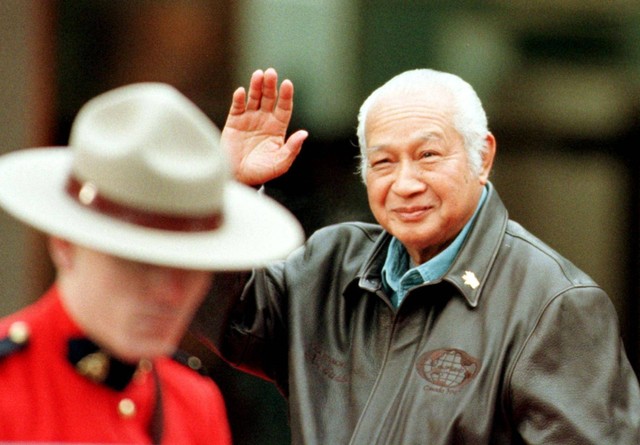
255,131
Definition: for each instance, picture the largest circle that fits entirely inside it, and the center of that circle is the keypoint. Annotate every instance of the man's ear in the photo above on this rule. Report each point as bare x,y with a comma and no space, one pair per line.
488,155
61,252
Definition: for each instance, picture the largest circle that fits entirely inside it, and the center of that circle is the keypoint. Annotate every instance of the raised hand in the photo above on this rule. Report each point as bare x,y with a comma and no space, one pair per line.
255,132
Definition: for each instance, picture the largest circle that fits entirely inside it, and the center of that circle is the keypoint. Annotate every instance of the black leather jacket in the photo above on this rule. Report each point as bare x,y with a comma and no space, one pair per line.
514,345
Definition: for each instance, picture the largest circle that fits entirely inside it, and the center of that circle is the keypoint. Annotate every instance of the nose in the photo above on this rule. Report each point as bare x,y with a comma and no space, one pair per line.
408,179
169,283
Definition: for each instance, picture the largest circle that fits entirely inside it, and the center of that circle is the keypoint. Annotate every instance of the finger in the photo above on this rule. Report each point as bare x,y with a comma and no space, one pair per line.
286,93
237,102
288,153
284,109
294,143
255,90
269,90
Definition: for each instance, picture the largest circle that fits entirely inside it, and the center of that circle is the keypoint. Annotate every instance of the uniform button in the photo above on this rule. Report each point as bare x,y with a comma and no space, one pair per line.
19,332
127,408
194,363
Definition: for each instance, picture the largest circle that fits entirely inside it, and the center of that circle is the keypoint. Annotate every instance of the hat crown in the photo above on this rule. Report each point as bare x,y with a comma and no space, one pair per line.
145,178
147,146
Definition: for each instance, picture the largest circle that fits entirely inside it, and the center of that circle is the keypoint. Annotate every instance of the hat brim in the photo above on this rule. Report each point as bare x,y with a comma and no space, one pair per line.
256,229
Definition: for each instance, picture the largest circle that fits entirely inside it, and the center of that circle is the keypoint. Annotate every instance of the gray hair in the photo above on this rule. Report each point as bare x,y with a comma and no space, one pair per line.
469,117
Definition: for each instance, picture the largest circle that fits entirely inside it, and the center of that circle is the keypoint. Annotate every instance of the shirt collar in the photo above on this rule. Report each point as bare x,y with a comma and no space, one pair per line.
398,275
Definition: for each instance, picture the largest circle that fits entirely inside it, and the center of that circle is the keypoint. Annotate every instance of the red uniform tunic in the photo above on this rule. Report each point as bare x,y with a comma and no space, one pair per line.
44,398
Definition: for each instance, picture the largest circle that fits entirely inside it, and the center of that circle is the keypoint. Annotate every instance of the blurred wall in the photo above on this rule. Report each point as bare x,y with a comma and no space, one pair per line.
315,44
26,94
13,67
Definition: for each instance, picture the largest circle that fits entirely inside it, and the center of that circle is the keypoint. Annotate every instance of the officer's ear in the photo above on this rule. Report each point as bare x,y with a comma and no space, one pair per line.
61,252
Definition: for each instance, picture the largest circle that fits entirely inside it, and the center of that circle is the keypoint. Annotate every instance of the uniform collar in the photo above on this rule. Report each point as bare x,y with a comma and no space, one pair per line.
88,359
48,324
97,365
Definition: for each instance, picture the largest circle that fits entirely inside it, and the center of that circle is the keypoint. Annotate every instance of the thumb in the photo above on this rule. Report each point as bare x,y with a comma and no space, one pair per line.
294,143
290,150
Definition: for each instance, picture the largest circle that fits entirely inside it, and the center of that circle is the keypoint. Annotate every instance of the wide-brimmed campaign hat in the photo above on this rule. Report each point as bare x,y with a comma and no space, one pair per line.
144,178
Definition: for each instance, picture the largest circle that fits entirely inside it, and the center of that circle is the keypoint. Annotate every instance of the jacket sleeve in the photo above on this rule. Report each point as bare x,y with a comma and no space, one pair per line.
573,383
243,321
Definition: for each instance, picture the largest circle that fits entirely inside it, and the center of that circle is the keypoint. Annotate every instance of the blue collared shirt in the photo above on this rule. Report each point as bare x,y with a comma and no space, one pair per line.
397,274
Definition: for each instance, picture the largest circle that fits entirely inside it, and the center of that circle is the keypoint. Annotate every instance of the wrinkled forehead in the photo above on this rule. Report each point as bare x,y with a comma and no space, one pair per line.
412,98
410,108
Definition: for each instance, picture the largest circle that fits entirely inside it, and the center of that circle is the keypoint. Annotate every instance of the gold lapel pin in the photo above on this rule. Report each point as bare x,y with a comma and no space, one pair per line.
470,279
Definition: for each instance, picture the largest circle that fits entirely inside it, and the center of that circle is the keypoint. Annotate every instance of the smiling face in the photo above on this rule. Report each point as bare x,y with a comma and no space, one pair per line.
420,184
132,309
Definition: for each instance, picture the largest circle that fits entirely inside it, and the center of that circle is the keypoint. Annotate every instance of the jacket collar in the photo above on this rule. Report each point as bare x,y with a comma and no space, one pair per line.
370,274
469,270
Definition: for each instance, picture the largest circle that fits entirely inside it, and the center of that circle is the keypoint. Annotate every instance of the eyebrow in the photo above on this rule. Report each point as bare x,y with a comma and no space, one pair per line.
429,136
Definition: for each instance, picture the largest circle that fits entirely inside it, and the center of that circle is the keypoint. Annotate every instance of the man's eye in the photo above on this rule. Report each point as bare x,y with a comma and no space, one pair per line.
379,162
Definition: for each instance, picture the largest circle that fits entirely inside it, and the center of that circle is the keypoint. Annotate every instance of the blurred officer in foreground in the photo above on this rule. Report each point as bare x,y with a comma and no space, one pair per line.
445,324
139,210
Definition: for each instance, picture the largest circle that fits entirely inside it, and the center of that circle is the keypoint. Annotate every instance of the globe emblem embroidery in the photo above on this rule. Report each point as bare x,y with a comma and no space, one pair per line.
447,369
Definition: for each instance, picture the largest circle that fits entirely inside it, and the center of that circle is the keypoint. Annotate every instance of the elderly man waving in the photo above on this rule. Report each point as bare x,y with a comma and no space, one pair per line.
446,323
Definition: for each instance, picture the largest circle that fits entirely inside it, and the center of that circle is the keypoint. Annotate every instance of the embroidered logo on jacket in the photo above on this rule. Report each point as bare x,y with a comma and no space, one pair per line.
330,366
447,370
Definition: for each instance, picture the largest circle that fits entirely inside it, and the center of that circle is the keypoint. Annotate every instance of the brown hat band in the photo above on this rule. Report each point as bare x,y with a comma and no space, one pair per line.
87,195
